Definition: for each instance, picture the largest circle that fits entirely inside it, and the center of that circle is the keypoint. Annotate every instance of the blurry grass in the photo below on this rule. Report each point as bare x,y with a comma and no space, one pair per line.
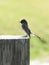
36,12
38,49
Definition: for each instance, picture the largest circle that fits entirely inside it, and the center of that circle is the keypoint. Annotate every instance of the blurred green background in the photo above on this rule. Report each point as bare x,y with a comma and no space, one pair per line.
36,12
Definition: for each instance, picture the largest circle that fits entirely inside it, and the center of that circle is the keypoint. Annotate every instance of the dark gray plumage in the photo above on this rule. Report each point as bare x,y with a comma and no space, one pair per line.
28,31
25,26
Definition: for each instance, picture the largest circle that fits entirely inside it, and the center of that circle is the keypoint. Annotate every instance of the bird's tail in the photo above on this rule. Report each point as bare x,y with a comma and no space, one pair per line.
33,34
42,40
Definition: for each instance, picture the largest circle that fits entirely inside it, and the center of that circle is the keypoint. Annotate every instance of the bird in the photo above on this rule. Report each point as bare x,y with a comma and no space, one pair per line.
26,28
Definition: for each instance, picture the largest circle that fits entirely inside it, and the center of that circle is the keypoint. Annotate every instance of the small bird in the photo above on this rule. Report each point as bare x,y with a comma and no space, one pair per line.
26,28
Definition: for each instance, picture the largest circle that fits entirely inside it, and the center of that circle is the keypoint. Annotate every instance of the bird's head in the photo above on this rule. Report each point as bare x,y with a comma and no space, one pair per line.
23,21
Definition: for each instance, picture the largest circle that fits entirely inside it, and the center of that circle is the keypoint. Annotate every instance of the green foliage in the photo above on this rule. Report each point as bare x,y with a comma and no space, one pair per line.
36,12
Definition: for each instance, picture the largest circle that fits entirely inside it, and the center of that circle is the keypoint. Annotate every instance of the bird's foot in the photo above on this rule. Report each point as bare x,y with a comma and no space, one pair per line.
25,36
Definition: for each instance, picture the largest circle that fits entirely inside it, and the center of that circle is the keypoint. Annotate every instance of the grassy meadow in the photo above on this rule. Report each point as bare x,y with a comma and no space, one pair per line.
36,12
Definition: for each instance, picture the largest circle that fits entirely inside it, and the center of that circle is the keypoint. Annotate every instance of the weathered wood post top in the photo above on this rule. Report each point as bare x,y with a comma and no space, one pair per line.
13,37
14,50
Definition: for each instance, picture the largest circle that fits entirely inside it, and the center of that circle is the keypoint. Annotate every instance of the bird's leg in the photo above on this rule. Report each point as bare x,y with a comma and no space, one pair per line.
25,36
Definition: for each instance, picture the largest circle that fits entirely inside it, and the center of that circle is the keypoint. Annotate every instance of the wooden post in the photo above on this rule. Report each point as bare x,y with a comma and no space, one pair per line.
14,50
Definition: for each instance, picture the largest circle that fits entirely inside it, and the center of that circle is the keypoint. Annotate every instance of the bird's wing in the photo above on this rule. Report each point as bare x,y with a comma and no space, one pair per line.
27,30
